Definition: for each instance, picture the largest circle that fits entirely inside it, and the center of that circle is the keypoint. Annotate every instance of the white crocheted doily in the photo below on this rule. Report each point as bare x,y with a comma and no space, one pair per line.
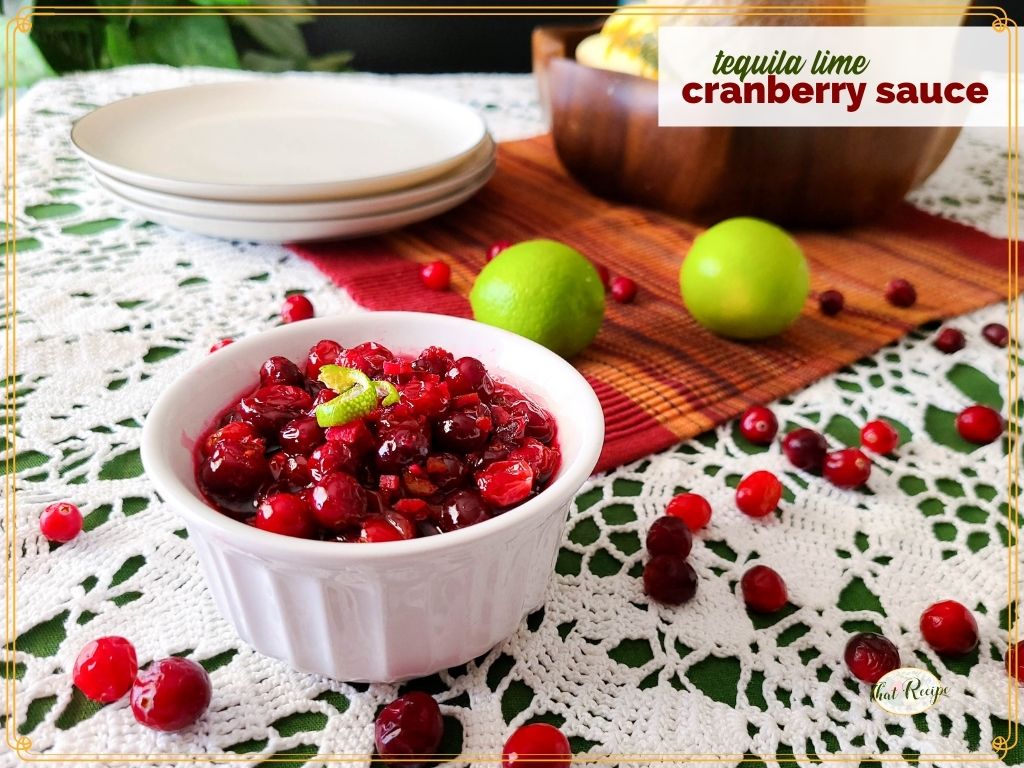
110,309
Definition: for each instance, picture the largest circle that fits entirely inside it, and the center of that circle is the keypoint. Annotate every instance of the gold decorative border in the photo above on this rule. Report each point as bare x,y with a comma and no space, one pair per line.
22,22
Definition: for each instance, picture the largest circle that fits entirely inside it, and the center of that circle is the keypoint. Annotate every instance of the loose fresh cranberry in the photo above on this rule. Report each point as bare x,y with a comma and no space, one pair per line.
759,425
296,307
869,656
669,536
436,275
603,274
692,508
409,727
949,628
979,424
900,293
805,449
445,470
268,408
241,431
537,745
831,302
401,445
465,430
505,483
461,509
763,589
497,247
879,436
292,471
220,344
324,352
758,493
280,370
466,375
234,469
1014,661
949,340
338,501
996,334
669,579
300,435
847,468
287,514
170,694
622,289
105,669
60,522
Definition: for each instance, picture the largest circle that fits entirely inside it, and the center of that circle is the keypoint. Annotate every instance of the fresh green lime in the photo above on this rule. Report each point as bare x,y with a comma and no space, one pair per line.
543,290
744,278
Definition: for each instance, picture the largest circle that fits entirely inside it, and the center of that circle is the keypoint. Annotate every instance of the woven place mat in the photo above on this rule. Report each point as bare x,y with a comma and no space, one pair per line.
661,377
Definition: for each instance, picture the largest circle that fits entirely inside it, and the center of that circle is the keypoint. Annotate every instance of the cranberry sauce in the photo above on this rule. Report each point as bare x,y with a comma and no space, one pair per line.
443,446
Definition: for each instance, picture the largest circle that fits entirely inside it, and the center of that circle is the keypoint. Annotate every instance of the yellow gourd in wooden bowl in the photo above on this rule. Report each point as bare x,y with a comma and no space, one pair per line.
598,86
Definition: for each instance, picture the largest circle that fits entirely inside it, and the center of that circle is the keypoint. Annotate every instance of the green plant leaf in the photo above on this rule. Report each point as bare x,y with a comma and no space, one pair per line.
29,62
262,62
120,50
70,43
331,62
278,34
192,40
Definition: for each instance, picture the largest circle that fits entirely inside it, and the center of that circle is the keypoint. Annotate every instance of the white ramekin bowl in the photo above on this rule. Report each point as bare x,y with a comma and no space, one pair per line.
389,611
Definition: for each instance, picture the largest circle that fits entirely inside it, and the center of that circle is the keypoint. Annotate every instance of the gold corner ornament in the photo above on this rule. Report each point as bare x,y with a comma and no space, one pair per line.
999,24
1000,746
24,743
23,24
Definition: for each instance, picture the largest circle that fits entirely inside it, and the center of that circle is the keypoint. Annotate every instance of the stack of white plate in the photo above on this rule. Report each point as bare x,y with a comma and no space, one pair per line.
287,159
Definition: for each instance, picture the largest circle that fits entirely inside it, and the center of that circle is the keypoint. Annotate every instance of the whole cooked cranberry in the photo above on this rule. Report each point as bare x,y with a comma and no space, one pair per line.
324,352
758,493
1014,661
949,628
401,445
622,289
996,334
869,656
60,522
291,471
338,501
505,483
692,508
280,370
497,247
979,424
369,357
669,579
409,727
356,435
464,430
300,435
434,360
220,344
234,469
805,449
831,302
268,408
436,275
763,589
286,514
759,425
541,458
468,374
242,431
331,457
105,669
900,293
847,468
170,694
461,509
296,307
949,340
445,470
879,436
537,745
669,536
539,424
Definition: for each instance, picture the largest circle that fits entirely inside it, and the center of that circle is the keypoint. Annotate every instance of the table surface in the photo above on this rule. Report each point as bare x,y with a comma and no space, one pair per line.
111,308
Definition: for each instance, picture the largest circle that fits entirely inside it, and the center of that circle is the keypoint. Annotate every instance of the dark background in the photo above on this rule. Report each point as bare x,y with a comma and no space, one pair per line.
462,43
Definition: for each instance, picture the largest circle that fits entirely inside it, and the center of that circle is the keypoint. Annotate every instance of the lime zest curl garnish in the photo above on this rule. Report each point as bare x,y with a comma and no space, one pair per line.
357,396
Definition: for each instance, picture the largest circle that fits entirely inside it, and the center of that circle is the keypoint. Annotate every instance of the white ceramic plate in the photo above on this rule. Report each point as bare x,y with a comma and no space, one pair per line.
479,166
305,230
279,139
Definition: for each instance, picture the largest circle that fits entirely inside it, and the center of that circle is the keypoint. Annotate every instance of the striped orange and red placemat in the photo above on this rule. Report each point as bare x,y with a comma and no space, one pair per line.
661,377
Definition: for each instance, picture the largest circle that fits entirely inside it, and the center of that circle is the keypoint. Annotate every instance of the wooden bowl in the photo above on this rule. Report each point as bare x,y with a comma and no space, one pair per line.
605,129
